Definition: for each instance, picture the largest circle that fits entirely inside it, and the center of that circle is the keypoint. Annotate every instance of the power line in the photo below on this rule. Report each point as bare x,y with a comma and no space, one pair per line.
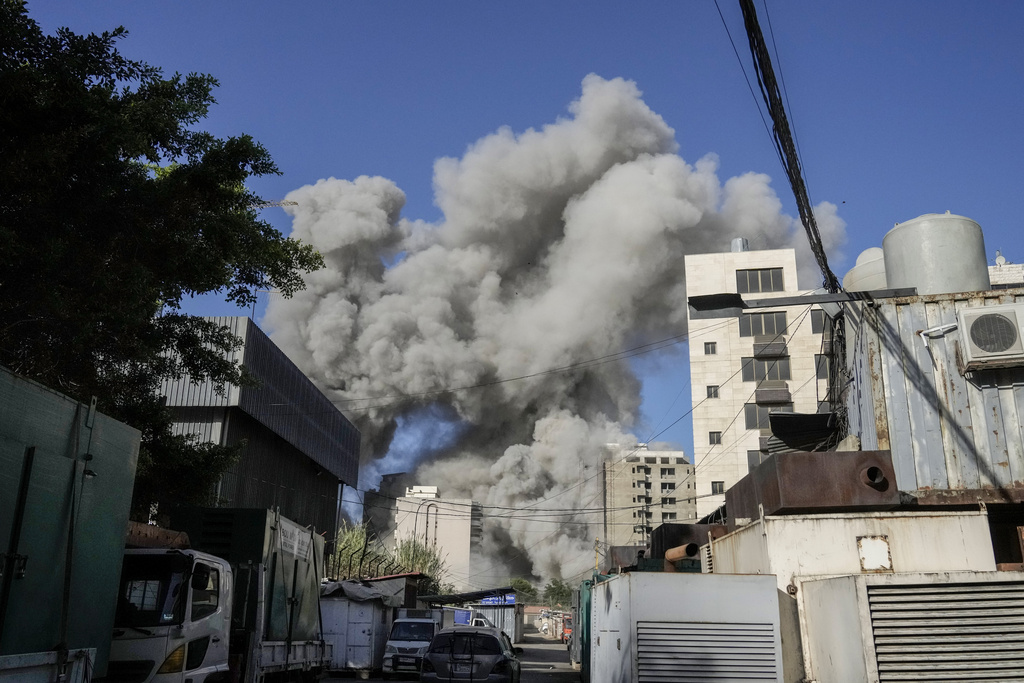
782,138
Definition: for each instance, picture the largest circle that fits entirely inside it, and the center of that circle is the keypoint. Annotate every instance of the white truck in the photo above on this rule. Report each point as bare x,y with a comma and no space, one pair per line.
248,611
411,633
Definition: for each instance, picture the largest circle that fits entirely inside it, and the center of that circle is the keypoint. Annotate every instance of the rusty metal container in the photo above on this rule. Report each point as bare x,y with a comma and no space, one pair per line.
792,483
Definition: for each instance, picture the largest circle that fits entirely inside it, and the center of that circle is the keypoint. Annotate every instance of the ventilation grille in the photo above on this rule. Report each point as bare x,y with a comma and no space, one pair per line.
682,652
948,632
707,559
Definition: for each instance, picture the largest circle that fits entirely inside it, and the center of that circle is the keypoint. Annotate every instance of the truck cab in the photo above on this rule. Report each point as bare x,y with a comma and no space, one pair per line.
407,643
173,618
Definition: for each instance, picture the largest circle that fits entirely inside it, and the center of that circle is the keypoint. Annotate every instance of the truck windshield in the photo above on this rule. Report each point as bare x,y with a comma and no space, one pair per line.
152,590
412,630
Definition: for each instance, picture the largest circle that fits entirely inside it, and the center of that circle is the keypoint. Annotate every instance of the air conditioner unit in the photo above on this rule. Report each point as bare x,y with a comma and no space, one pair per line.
992,336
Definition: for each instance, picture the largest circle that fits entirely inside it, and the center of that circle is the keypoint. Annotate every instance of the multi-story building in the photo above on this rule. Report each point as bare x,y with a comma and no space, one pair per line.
299,449
744,366
454,526
642,489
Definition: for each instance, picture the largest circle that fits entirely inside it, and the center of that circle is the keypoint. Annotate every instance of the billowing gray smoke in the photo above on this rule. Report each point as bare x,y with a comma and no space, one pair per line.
557,247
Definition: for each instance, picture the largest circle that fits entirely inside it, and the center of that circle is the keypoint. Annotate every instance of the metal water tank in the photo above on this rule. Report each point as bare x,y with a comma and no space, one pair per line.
937,254
740,244
868,274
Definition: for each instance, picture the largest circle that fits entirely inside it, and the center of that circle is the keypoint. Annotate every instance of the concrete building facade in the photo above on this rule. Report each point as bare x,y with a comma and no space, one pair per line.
454,526
644,488
750,363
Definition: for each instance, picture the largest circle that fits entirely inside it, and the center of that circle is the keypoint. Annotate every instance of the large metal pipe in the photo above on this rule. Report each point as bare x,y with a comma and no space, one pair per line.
681,552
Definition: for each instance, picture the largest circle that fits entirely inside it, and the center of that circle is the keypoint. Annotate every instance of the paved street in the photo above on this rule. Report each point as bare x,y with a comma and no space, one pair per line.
545,660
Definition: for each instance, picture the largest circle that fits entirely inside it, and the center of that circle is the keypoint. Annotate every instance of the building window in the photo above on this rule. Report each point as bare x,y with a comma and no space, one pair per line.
650,461
712,391
668,501
821,365
761,369
763,324
759,280
667,516
680,461
756,415
710,348
668,487
753,460
717,487
668,471
714,438
819,320
664,461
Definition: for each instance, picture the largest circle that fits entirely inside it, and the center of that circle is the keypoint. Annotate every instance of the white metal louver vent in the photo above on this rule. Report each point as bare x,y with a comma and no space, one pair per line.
948,631
707,559
691,652
991,336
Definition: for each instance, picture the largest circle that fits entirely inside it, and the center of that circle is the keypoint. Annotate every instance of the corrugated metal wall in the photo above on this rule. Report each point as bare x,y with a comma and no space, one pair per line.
290,404
286,402
946,431
272,472
185,392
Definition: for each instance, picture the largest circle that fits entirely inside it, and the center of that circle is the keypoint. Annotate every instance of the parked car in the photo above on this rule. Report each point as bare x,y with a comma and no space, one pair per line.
471,653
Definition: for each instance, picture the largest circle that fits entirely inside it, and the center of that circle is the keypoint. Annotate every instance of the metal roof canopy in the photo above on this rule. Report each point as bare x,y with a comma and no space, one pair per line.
729,304
467,597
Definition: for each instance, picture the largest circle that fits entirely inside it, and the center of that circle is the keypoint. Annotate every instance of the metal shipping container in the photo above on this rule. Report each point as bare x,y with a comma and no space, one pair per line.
793,547
914,627
685,628
955,436
66,478
817,545
357,629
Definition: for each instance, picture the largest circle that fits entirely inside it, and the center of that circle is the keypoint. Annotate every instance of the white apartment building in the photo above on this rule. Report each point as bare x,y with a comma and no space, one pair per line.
742,368
642,489
452,525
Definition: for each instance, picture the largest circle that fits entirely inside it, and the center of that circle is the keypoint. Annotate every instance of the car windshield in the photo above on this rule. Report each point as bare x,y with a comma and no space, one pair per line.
152,590
465,644
412,630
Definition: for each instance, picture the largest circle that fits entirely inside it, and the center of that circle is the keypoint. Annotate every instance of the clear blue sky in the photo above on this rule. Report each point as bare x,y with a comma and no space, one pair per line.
899,108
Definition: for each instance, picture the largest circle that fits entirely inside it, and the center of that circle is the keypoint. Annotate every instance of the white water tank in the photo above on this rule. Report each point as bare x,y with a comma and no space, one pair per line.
868,274
937,254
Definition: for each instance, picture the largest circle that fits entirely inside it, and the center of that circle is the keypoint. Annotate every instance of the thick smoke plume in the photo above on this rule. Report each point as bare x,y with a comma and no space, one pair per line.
558,246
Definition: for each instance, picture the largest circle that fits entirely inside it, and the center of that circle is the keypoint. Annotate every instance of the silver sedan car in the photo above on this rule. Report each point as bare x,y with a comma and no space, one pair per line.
471,653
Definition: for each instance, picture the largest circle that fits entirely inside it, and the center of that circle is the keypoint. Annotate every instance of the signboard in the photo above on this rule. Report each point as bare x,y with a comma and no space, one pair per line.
509,599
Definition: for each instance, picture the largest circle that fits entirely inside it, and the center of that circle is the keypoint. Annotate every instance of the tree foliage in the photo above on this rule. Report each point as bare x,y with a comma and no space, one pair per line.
557,593
359,553
526,594
99,250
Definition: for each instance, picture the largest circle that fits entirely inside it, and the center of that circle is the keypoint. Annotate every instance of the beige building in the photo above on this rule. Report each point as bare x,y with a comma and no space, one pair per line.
742,368
452,525
642,489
